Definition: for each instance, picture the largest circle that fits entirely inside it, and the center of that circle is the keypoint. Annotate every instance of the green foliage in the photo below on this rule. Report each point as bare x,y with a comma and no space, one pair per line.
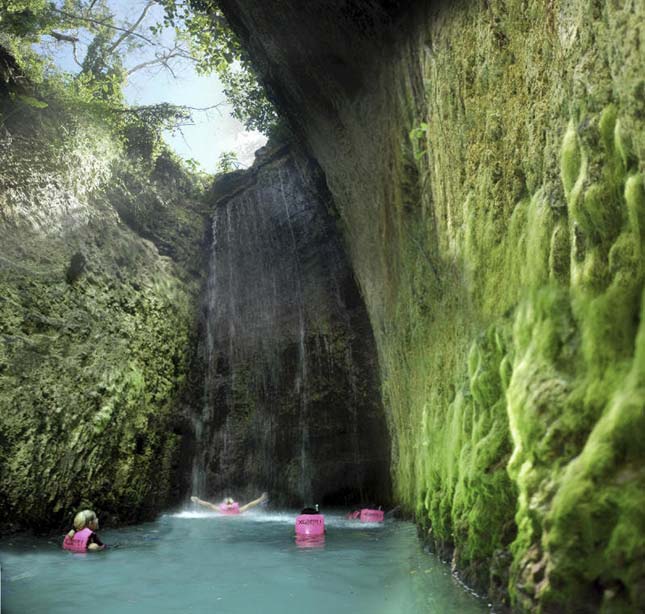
26,18
227,162
31,101
215,44
419,140
143,127
102,71
99,96
217,49
248,98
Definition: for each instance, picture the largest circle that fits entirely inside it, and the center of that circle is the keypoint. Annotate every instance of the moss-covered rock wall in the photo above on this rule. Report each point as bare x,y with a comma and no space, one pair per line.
487,161
100,267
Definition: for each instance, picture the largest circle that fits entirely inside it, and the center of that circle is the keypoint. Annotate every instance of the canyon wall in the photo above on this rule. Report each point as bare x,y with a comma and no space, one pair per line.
100,269
486,161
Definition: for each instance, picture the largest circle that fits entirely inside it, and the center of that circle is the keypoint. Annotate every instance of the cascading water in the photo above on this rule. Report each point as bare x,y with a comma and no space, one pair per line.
301,378
203,418
291,402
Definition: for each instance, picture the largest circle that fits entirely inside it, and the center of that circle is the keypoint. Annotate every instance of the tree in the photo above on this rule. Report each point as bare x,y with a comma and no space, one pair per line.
104,47
25,18
217,49
227,162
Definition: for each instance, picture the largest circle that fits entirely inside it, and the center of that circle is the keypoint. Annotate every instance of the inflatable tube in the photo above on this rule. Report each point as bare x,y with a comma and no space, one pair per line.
368,515
310,524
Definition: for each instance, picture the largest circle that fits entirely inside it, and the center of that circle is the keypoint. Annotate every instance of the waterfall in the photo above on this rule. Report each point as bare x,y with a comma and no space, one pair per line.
281,400
301,378
203,417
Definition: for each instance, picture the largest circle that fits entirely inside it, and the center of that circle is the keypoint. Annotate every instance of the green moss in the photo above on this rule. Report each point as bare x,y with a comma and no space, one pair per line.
507,307
635,199
571,160
92,365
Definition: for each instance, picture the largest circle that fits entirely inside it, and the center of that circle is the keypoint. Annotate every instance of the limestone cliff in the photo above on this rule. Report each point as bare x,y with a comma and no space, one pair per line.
100,269
486,159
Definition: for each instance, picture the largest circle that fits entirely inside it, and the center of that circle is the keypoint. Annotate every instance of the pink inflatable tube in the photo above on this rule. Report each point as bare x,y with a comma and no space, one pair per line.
372,515
229,509
310,524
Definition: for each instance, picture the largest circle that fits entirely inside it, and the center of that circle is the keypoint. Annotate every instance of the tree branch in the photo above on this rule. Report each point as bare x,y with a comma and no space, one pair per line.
177,107
162,58
59,36
133,27
75,56
103,23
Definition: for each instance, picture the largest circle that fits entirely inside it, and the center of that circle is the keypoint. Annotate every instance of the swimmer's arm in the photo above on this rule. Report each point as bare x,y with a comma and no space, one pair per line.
96,543
261,499
205,503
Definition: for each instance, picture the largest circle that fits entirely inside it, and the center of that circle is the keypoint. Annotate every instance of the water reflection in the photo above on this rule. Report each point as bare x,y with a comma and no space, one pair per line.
310,541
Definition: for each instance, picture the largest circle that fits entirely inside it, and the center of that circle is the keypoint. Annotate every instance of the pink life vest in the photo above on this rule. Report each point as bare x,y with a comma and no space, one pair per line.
229,509
79,542
310,524
368,515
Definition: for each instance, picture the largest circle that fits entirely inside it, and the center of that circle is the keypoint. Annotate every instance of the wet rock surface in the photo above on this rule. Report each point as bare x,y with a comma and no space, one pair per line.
291,398
96,325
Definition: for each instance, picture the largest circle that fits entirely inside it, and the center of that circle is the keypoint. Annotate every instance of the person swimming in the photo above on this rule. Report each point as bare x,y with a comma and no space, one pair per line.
229,506
369,513
83,537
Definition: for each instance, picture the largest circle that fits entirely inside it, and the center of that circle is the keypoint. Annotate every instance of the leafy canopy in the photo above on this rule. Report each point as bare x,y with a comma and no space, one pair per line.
107,49
217,49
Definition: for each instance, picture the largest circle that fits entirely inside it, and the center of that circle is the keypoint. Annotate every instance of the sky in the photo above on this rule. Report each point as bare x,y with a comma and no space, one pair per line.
215,131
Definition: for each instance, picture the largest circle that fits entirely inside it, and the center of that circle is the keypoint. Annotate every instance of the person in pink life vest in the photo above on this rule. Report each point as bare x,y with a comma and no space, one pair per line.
83,537
230,507
367,514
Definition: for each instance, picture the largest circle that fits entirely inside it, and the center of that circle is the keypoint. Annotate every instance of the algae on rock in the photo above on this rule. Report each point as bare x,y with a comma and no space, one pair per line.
96,322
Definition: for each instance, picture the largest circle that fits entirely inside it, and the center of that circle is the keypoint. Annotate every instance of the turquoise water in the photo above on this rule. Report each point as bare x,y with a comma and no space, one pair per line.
202,562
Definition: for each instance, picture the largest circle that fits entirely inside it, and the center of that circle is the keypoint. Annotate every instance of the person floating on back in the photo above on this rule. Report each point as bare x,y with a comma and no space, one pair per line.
229,506
367,514
83,537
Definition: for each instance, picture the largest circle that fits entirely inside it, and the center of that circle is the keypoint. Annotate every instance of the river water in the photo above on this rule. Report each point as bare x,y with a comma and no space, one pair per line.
202,562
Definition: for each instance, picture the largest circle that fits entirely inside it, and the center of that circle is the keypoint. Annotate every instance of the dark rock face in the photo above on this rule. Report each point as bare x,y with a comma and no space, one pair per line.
291,399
